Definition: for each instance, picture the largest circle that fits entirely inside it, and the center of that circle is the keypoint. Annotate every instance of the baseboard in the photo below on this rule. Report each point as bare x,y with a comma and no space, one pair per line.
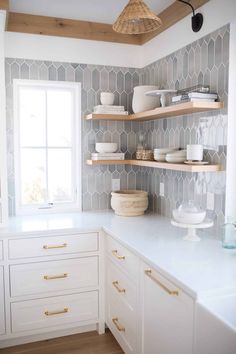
44,336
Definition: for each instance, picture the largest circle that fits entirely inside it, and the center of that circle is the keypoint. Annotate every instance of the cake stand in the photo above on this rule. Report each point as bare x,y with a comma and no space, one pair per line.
161,93
192,229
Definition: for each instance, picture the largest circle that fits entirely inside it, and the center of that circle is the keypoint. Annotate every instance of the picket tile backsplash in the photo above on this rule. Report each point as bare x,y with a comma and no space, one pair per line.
202,62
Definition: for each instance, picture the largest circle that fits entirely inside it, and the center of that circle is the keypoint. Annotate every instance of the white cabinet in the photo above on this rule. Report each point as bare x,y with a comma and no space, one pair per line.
55,311
167,316
47,277
53,283
53,245
122,272
2,310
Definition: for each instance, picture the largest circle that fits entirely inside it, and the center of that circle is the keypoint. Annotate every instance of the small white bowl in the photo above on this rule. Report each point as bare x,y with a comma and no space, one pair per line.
106,147
107,98
188,217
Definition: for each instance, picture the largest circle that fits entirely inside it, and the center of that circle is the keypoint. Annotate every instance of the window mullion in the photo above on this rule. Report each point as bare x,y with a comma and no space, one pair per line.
46,149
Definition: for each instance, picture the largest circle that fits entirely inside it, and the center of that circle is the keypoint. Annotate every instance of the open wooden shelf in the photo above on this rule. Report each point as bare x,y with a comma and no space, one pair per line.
155,164
161,112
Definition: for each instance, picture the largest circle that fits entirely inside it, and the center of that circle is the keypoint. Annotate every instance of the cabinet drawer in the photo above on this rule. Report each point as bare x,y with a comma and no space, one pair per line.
53,245
1,251
54,311
44,277
2,309
123,257
123,324
120,286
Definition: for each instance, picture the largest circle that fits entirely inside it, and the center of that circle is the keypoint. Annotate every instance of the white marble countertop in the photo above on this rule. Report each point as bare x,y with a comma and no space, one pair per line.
201,269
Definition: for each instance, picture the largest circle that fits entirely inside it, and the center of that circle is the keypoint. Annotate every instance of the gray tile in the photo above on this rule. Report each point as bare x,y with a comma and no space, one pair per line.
211,54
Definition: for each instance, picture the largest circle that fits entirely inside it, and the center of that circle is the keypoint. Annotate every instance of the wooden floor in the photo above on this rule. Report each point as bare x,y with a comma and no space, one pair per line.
84,343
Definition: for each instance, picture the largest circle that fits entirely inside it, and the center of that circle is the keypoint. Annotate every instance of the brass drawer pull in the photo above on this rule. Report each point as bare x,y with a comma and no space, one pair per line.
148,272
46,247
115,253
52,313
118,326
116,285
51,277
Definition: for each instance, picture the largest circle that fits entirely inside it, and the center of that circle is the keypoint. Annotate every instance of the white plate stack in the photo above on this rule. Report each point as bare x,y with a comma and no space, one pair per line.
96,156
109,109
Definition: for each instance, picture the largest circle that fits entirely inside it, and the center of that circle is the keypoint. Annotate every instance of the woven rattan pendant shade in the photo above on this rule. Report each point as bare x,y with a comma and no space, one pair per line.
136,18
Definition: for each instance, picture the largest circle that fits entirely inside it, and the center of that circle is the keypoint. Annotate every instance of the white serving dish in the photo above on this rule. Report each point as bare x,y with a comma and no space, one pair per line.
161,93
107,98
141,102
129,202
189,217
106,147
175,159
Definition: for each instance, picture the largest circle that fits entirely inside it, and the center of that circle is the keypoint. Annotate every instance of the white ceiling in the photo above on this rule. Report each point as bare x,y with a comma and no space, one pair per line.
105,11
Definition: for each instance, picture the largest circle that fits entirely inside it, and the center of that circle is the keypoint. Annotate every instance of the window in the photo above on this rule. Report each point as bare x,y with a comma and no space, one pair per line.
47,150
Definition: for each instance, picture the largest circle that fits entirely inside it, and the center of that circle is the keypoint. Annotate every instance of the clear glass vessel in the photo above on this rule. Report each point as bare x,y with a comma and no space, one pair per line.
228,231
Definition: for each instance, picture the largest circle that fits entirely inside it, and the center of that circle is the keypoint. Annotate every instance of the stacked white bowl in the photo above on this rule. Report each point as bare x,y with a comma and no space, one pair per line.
176,156
160,154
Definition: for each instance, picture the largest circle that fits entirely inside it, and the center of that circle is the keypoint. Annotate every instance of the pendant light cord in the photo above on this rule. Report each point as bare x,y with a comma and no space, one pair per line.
187,3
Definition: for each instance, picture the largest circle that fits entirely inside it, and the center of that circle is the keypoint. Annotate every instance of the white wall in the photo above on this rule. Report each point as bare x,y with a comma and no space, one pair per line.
217,13
3,149
231,147
30,46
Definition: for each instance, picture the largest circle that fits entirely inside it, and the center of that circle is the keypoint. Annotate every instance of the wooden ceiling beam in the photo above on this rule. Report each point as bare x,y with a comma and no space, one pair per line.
53,26
4,5
172,14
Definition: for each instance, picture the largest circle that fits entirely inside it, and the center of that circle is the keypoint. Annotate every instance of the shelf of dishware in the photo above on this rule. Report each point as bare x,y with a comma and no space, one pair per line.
154,164
161,112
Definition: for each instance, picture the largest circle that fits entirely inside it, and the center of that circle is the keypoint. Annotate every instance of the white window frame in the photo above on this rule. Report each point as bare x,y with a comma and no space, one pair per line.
76,143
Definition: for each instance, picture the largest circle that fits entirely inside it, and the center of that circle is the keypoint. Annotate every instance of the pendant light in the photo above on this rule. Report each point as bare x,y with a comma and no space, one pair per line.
136,18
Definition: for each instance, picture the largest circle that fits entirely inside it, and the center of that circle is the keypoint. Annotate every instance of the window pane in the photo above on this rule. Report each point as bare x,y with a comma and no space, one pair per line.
59,175
33,176
32,106
59,115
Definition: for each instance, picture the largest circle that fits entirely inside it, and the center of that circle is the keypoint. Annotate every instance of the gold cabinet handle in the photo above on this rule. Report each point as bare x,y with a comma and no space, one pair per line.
51,277
148,272
52,313
116,285
115,253
118,326
46,247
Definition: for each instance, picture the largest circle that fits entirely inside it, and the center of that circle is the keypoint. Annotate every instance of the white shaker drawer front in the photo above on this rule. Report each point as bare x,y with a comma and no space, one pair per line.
120,286
53,245
123,257
2,312
54,311
44,277
1,251
123,325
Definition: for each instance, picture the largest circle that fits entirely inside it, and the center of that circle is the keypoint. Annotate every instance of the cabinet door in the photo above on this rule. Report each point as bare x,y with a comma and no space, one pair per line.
2,312
167,316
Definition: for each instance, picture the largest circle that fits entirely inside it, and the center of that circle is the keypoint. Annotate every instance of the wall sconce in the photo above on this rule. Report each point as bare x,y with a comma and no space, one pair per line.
197,19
